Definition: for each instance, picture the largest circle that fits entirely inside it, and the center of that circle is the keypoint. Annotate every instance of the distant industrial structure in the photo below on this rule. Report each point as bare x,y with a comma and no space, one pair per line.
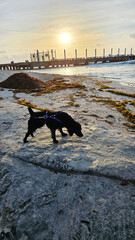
51,55
47,59
43,55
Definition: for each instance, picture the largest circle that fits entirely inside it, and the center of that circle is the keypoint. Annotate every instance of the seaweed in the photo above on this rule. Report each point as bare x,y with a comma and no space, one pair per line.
127,124
102,85
71,103
29,104
121,107
121,93
51,86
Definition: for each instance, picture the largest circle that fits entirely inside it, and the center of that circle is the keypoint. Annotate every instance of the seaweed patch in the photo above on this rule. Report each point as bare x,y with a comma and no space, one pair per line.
120,106
121,93
29,104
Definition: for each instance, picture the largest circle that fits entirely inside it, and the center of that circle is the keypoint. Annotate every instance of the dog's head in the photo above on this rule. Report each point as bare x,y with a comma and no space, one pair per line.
76,128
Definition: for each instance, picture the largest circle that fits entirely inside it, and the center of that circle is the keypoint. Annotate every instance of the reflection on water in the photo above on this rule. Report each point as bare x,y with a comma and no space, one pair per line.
123,72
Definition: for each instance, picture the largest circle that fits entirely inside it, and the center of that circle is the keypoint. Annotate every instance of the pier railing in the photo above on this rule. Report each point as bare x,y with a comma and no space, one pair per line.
64,62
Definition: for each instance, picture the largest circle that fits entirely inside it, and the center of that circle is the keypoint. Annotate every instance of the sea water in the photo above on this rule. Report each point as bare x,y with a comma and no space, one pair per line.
122,72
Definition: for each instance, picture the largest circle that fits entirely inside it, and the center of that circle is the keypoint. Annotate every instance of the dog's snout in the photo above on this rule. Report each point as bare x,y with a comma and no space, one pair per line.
79,134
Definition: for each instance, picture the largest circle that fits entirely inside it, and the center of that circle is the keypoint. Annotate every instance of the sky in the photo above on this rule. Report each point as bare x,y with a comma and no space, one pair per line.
28,25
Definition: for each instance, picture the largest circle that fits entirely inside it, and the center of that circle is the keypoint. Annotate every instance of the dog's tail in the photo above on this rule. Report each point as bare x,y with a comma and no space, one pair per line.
30,111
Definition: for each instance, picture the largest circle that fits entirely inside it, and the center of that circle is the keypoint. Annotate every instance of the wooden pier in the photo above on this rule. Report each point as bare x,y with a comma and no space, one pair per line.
64,62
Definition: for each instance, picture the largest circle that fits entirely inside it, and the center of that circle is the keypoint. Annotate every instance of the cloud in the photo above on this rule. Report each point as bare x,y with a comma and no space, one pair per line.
3,51
132,35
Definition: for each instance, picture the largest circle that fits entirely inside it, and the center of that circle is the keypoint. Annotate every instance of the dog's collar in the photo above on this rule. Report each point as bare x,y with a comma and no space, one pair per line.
52,116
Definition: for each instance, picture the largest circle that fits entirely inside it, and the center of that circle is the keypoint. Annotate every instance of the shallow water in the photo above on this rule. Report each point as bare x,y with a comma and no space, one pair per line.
122,72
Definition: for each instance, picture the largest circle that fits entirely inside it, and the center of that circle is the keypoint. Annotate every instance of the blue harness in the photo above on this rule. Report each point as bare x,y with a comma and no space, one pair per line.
52,116
46,117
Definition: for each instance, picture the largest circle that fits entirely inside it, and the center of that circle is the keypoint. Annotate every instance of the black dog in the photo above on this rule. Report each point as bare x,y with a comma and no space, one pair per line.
53,120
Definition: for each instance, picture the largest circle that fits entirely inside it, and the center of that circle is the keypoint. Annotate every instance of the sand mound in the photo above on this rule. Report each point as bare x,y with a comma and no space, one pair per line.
22,81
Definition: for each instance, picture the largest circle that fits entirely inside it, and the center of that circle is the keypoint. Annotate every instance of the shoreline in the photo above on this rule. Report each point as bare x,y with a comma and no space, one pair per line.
105,72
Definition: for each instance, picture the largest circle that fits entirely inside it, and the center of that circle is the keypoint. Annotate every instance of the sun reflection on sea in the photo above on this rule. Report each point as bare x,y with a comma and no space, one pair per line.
67,71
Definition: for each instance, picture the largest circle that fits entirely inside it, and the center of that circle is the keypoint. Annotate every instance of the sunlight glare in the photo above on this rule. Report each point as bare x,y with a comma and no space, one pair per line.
65,37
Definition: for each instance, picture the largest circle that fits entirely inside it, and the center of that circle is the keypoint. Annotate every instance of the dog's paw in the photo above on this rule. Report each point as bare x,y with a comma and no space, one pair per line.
25,141
55,141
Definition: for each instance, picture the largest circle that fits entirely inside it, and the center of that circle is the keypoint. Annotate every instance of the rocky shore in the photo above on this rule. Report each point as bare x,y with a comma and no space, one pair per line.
81,189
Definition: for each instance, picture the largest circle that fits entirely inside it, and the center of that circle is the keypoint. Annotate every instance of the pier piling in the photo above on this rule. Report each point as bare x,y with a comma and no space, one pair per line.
95,53
86,53
104,52
111,52
65,54
75,53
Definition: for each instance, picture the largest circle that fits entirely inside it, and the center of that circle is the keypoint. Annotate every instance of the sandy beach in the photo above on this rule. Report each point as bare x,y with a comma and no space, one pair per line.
80,188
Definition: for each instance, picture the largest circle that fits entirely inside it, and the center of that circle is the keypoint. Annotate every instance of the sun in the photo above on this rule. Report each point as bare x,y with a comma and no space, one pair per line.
65,37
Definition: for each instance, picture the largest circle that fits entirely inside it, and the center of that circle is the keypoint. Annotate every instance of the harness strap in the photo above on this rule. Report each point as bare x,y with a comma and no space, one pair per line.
46,116
53,117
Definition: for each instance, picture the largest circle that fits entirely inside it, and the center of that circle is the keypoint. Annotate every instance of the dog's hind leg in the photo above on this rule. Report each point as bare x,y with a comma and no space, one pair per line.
32,135
26,136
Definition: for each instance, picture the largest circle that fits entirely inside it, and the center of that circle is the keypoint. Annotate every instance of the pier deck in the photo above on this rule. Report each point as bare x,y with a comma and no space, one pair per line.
64,62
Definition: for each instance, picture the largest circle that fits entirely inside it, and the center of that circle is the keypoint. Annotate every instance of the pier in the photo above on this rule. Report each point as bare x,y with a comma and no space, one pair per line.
66,62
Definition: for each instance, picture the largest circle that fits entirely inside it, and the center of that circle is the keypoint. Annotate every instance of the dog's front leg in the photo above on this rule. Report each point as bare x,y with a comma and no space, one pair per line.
62,133
53,136
32,135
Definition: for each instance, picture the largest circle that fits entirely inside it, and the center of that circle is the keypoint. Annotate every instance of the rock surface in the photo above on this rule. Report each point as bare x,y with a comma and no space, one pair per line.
39,204
81,189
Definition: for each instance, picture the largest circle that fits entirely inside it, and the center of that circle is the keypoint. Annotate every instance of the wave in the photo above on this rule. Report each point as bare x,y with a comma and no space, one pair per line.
112,63
127,62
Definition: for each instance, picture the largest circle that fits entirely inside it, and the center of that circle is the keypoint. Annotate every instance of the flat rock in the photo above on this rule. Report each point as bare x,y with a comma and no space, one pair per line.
81,188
